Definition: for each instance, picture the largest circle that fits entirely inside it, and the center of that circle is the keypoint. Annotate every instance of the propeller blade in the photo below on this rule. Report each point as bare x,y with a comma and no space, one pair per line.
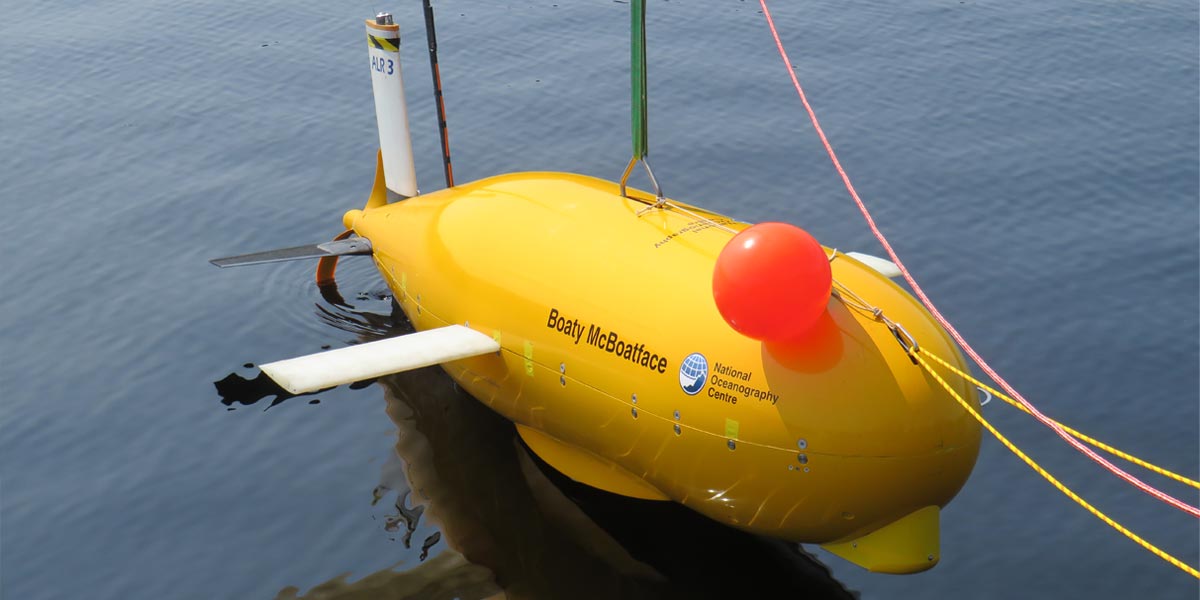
326,268
335,248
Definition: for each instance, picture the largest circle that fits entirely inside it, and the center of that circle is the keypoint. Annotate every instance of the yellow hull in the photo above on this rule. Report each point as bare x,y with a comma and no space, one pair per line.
596,307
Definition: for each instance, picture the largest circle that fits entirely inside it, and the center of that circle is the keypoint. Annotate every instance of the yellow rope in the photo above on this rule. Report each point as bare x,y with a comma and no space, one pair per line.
1094,442
917,354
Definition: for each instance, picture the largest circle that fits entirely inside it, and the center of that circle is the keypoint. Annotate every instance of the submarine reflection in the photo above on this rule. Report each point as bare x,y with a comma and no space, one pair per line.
509,526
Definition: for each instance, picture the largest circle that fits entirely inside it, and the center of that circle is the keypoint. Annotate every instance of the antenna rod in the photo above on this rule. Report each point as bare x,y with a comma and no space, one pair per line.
431,36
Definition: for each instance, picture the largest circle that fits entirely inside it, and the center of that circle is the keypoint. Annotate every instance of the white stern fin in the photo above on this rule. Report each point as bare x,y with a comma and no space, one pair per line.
884,266
374,359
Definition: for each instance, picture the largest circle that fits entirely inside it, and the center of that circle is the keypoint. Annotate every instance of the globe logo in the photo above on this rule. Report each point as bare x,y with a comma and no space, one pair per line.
692,373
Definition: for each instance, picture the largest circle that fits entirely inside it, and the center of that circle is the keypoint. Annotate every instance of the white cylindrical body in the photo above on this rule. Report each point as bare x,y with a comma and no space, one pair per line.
391,112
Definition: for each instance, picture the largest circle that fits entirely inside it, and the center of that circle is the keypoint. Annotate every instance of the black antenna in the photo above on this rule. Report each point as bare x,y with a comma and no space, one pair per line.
437,93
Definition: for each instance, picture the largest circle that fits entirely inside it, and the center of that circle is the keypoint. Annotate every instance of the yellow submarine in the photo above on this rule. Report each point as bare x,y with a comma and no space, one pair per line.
652,349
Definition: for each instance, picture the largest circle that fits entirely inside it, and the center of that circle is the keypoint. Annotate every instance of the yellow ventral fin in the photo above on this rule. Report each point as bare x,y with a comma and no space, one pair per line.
587,468
909,545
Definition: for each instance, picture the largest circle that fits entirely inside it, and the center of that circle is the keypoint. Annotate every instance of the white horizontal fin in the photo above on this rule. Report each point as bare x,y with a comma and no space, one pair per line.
884,266
374,359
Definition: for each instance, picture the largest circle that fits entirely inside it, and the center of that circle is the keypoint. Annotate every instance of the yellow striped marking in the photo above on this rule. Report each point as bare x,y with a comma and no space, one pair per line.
382,43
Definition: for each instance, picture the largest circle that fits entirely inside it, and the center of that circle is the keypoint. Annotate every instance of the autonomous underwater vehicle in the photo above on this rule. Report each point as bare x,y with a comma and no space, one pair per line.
659,351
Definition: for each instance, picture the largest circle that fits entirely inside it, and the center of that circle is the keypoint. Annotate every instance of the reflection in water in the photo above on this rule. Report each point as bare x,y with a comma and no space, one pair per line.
509,526
445,576
235,389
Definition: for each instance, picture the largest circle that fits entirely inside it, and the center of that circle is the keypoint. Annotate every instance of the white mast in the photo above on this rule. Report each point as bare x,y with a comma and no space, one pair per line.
391,111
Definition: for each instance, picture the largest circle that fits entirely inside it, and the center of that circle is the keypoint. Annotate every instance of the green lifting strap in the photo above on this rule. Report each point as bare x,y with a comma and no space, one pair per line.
637,71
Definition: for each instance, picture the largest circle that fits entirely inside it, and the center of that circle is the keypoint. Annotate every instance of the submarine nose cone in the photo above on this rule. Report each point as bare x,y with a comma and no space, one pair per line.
772,281
351,217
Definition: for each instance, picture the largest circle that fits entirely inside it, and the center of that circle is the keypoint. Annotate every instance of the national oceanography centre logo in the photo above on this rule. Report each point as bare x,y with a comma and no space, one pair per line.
693,372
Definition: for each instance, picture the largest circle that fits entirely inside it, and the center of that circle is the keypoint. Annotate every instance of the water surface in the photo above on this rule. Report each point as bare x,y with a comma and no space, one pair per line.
1035,163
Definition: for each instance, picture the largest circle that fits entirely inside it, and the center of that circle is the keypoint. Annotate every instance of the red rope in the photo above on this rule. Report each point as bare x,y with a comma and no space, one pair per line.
1195,512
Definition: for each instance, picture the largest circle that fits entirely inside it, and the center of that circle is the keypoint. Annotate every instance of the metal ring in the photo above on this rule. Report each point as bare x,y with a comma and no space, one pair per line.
987,396
906,339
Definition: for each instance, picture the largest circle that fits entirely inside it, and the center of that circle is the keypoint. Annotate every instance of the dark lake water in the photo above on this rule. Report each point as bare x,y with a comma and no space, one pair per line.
1035,163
